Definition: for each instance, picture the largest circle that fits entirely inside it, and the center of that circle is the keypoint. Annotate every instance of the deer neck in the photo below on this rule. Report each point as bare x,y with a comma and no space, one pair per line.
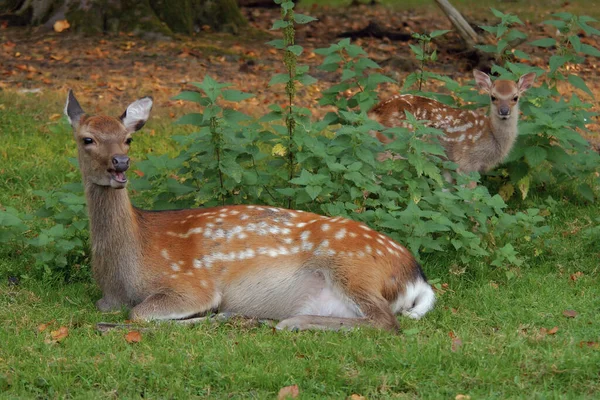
116,242
504,132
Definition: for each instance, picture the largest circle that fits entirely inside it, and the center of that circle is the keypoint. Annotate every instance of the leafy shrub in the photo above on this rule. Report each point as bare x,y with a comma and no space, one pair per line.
285,158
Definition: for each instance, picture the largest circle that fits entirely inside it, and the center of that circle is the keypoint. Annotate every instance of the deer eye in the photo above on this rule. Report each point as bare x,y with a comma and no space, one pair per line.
88,140
494,98
516,98
128,141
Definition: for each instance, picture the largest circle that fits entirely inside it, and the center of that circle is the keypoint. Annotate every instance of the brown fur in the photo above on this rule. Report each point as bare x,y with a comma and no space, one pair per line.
475,142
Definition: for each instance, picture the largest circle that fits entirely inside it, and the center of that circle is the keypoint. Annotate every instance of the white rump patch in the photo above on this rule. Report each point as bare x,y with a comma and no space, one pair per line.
418,298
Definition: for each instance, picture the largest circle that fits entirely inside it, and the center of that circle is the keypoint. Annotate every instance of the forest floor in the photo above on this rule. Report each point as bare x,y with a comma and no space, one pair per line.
112,70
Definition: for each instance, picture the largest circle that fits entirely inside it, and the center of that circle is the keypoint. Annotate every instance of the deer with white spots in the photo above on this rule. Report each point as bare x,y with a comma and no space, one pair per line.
475,142
307,270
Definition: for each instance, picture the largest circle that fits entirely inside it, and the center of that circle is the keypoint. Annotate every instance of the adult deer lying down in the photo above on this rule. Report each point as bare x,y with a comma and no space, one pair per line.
475,142
310,271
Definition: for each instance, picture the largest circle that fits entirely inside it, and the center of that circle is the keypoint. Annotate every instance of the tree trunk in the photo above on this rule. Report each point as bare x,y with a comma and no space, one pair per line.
138,16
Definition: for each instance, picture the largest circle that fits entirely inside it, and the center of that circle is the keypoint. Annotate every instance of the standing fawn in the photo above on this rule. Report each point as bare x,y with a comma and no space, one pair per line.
310,271
474,142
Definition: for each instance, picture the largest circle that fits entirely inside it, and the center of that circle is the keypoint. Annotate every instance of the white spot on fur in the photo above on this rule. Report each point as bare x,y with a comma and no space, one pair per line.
165,254
175,267
325,227
340,234
304,235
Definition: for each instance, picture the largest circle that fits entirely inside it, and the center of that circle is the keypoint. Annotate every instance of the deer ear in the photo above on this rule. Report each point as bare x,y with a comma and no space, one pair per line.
73,110
137,114
526,81
482,80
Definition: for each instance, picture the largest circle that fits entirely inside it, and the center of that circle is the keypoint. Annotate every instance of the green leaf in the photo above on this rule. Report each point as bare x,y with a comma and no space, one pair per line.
277,43
236,95
191,119
313,191
535,156
279,78
586,191
579,84
7,219
178,188
556,62
438,33
189,95
279,24
590,50
295,49
303,19
233,116
545,42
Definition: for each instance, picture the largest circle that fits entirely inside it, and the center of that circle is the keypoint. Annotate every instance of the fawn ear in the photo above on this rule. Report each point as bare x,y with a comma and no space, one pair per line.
137,114
482,80
526,81
73,110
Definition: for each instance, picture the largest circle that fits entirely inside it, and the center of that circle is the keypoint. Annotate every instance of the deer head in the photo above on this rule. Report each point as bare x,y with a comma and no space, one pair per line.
504,94
103,142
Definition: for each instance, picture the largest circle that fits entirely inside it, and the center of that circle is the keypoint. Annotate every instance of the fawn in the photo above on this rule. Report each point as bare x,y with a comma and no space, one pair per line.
474,142
307,270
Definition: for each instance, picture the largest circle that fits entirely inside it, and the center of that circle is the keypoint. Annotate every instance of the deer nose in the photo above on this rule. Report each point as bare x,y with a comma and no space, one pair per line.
504,110
120,163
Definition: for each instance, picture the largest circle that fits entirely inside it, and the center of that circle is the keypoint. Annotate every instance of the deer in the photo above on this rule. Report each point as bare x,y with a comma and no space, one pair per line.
477,143
305,270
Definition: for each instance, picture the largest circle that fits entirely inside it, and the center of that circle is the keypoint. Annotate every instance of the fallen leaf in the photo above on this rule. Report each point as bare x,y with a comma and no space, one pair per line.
60,334
593,345
576,275
462,397
570,313
43,327
55,117
357,397
138,172
61,25
133,337
288,392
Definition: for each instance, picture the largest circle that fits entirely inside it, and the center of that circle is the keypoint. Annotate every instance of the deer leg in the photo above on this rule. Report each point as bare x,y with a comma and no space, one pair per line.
169,306
376,310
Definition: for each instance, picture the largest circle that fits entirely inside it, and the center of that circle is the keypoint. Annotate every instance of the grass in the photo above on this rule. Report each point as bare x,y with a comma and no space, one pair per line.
490,335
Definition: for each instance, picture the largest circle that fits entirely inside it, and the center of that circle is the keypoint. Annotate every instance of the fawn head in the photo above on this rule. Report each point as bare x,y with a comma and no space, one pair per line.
504,94
103,142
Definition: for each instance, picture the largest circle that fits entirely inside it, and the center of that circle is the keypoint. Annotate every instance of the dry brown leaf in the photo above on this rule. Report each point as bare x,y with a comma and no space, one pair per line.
43,327
61,25
570,313
55,117
133,337
60,334
462,397
576,275
357,397
593,345
288,392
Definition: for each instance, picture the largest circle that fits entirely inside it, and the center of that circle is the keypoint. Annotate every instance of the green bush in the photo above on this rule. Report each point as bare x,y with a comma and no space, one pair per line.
329,166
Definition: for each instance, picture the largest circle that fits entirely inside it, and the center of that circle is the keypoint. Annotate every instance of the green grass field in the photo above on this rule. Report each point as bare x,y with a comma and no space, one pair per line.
491,335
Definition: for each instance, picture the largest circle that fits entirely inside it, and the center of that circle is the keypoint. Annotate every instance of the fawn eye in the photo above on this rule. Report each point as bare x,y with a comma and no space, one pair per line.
516,98
494,98
128,141
88,140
